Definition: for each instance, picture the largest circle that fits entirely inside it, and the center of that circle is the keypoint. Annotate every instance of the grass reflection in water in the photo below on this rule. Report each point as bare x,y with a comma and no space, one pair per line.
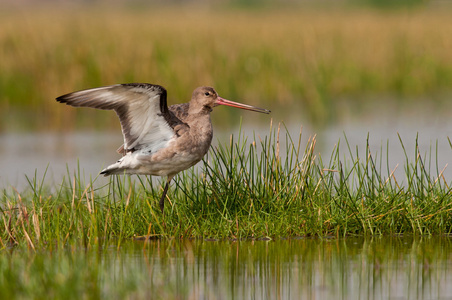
376,268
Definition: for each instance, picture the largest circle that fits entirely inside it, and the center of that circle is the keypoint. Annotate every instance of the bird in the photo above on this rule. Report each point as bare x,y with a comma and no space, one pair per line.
158,140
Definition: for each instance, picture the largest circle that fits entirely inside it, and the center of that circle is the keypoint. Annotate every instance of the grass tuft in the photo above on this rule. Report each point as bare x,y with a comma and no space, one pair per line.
264,187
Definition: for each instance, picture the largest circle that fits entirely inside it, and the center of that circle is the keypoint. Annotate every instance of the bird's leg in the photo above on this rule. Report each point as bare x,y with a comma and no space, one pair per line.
162,199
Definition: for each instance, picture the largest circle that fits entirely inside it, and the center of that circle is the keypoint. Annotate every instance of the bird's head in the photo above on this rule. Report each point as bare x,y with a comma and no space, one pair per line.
208,98
204,97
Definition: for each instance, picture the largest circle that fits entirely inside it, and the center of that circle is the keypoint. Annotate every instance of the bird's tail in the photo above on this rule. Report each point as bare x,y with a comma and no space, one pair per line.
126,165
114,169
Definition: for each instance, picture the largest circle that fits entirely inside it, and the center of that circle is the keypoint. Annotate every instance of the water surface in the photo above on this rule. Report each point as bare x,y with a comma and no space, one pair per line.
380,122
298,268
353,268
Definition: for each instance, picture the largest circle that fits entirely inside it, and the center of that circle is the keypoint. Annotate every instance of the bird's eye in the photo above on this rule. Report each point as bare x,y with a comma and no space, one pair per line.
207,93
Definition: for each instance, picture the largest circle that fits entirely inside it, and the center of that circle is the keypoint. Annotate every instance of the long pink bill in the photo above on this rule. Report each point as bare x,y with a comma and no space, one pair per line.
222,101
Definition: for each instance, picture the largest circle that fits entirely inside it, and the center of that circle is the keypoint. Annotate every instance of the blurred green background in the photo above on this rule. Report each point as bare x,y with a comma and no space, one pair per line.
311,60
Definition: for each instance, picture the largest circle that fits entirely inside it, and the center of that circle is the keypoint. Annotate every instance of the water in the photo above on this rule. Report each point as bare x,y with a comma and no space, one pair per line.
353,268
300,268
24,154
380,122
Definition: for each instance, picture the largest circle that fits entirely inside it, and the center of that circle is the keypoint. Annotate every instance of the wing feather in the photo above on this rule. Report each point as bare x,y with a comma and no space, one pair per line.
142,110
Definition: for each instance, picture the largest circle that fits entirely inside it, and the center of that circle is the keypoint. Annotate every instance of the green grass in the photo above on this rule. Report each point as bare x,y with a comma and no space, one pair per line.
265,187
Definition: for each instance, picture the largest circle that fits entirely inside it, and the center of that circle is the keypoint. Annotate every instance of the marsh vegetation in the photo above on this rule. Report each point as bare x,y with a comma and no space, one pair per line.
246,189
310,58
264,214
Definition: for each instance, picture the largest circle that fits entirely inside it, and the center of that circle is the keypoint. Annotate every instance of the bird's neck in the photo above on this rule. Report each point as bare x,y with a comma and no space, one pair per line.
198,110
200,130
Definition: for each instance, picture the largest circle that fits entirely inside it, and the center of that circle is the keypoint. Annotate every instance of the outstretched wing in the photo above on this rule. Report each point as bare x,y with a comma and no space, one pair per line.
142,111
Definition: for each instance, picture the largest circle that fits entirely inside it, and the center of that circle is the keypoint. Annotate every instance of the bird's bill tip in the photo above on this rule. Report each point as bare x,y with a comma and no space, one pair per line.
222,101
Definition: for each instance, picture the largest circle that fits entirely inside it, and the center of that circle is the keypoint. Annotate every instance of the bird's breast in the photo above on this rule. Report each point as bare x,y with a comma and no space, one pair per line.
180,154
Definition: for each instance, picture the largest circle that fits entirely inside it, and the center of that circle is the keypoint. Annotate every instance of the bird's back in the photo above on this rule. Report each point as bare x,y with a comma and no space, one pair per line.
180,111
